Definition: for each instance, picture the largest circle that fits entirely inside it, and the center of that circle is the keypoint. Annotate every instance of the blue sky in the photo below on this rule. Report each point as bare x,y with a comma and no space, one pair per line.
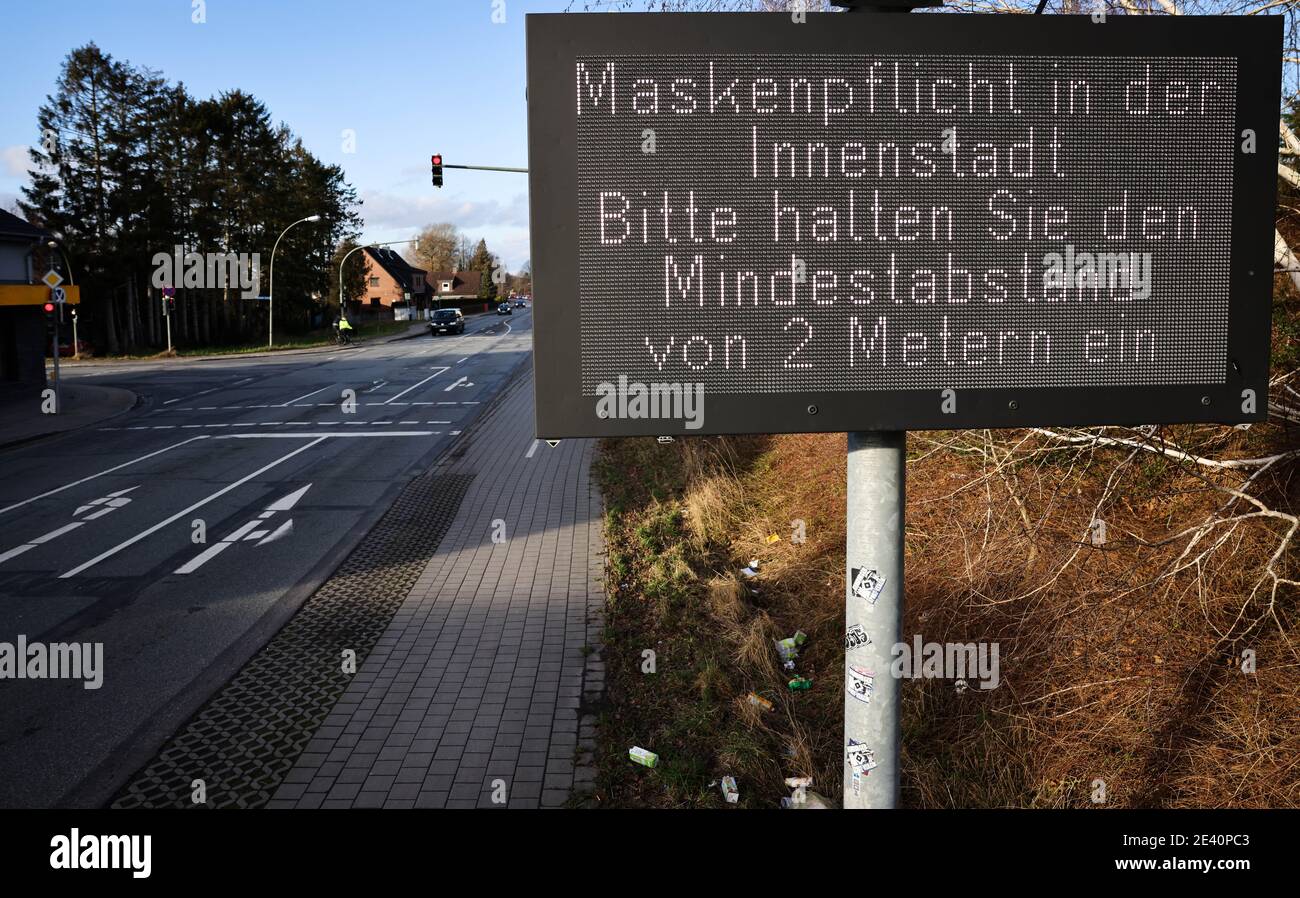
409,77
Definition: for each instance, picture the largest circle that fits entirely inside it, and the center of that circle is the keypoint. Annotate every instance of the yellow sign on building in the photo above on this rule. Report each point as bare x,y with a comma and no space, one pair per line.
34,294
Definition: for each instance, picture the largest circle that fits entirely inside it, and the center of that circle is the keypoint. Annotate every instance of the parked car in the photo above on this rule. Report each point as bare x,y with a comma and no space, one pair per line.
504,309
66,351
447,321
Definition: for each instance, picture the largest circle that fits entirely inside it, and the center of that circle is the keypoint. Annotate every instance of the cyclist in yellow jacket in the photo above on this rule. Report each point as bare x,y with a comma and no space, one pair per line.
344,328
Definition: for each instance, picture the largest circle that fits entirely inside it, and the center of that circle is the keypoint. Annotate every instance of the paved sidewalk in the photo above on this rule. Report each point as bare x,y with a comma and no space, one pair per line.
477,689
22,420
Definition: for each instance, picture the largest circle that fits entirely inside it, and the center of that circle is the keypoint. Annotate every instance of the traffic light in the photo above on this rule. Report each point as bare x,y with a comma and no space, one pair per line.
50,309
171,304
436,161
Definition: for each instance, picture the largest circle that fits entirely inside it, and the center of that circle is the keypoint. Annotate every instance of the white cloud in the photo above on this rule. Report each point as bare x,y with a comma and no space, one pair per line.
384,211
14,161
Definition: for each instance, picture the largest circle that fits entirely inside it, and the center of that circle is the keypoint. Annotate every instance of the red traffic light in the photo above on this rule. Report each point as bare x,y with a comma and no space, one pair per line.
49,308
437,159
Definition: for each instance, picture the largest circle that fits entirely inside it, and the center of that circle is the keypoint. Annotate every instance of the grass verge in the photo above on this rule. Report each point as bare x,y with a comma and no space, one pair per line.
1123,664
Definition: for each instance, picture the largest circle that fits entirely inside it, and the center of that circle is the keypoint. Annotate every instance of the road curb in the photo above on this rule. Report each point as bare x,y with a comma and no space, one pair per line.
118,401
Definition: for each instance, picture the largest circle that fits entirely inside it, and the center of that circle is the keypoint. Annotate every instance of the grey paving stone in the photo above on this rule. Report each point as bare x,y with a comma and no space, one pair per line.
481,673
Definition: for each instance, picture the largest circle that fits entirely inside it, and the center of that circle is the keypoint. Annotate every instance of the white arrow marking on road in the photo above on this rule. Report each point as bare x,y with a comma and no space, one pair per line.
464,381
288,501
183,512
247,532
421,383
112,502
282,531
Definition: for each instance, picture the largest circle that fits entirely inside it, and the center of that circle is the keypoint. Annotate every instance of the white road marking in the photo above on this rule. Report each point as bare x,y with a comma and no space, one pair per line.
110,502
421,383
194,396
248,531
107,504
40,540
304,396
203,557
126,464
464,381
335,435
180,514
531,449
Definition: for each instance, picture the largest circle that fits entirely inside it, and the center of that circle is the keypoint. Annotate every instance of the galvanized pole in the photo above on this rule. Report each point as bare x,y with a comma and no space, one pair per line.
873,616
873,608
58,381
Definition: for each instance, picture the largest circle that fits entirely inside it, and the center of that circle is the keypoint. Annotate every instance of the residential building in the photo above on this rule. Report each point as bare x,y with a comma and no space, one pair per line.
395,289
456,288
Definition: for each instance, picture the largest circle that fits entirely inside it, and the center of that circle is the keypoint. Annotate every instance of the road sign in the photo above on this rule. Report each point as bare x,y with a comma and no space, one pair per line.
169,291
58,295
52,279
866,222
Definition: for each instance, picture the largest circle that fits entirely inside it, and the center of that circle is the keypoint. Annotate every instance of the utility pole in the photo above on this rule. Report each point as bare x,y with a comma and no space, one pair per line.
873,594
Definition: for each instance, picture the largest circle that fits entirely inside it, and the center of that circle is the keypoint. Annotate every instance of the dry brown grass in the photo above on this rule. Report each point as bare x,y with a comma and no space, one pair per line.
1119,662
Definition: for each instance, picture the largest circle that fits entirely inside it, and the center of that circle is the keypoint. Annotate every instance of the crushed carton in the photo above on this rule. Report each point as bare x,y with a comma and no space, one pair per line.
644,757
729,790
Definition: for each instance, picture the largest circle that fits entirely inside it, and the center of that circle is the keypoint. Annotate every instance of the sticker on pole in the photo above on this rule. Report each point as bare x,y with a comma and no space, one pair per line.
861,683
861,761
867,584
856,637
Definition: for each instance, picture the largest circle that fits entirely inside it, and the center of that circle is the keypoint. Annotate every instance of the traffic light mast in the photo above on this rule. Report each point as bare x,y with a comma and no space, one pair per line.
438,165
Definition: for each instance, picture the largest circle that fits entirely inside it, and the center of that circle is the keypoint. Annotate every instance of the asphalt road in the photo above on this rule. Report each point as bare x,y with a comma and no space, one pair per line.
99,529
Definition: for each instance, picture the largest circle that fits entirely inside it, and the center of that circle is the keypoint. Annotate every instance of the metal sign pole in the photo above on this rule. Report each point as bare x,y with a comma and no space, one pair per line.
873,616
873,609
58,381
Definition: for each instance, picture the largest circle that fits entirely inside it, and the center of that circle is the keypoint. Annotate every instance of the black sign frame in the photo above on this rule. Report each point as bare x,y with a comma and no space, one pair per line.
556,41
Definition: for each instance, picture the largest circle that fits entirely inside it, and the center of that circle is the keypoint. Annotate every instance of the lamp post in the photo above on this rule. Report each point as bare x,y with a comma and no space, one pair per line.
270,304
54,244
344,260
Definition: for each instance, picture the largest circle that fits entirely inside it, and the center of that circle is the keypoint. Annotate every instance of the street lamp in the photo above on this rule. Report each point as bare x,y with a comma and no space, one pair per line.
53,245
344,260
270,303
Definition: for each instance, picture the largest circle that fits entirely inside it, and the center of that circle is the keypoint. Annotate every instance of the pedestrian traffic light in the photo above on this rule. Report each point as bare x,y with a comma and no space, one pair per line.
436,161
171,304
